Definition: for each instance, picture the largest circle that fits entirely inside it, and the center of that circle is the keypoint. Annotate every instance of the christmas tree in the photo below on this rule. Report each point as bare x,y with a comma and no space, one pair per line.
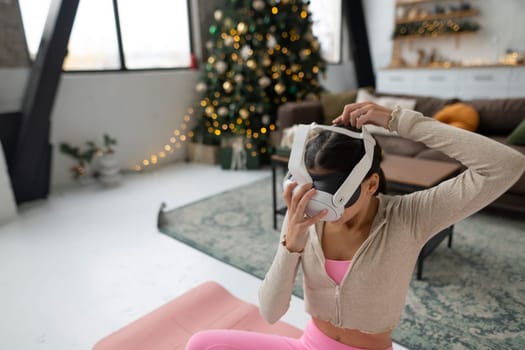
261,54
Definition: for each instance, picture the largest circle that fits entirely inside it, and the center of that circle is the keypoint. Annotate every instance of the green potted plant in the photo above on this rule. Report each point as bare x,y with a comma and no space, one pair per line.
82,157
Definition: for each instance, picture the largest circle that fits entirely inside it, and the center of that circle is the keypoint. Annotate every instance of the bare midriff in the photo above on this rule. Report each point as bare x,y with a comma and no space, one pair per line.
355,338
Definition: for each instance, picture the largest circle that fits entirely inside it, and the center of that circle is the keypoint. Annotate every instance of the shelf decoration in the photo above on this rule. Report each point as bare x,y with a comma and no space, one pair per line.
429,19
435,28
421,18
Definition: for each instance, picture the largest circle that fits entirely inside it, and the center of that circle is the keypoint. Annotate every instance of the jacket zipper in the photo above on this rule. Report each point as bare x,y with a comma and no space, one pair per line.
337,306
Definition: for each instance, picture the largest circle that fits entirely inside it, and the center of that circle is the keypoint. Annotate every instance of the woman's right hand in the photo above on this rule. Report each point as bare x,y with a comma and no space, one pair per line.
297,198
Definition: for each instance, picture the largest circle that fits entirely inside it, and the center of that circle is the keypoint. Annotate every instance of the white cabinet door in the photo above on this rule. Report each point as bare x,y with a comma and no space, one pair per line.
437,83
484,83
462,83
517,83
396,81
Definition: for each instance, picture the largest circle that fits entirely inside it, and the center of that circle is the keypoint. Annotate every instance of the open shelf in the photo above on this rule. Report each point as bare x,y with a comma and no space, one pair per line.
433,36
457,14
418,2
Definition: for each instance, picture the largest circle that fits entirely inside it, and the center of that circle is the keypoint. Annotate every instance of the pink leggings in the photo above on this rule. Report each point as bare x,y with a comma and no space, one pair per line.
229,339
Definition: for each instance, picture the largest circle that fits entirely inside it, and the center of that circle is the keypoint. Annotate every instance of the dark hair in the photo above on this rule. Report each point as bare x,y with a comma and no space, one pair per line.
339,153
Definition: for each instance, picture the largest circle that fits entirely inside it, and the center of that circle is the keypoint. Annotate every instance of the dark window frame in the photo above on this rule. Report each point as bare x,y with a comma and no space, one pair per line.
120,47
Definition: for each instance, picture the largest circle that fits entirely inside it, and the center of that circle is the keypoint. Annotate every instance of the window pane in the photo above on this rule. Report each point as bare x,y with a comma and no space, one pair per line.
93,42
155,33
34,14
326,15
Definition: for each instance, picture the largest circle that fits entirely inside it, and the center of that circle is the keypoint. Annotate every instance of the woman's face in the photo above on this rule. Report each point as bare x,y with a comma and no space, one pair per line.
368,188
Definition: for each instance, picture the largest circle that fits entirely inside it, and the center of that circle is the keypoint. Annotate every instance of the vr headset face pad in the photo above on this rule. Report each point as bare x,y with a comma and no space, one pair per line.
331,182
337,189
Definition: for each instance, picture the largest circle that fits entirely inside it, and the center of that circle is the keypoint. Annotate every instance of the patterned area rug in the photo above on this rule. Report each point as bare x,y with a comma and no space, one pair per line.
472,296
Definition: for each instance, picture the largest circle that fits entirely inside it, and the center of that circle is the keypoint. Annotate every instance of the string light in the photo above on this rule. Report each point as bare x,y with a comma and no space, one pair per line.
178,135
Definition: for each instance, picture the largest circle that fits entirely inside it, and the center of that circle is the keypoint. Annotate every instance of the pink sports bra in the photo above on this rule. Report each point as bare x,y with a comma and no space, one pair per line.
336,269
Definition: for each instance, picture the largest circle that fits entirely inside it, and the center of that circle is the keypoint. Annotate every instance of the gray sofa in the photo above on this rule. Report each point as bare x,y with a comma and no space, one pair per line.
498,118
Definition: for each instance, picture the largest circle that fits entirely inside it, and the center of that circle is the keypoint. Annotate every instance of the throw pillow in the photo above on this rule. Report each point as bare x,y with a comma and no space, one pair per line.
333,104
460,115
288,136
517,137
385,101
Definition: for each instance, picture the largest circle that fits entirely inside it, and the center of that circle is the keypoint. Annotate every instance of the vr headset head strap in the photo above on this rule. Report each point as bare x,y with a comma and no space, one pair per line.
296,162
353,181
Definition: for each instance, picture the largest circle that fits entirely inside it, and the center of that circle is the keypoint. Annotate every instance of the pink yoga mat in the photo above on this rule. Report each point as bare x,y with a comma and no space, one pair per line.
207,306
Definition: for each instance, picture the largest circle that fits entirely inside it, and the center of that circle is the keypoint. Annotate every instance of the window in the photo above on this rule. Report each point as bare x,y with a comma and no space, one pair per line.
34,14
93,42
155,34
327,17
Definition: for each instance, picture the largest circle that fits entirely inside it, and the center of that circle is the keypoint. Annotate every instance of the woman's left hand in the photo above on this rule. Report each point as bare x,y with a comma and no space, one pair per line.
359,114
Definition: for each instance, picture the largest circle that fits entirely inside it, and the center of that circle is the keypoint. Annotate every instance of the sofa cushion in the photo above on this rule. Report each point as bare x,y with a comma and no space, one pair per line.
334,103
425,104
460,115
499,116
304,112
517,137
385,101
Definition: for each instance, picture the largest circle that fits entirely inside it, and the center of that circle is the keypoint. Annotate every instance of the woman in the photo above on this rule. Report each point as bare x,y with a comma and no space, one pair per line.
357,269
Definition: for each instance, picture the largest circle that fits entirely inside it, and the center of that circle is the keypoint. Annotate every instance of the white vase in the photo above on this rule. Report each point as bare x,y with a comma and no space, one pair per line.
109,169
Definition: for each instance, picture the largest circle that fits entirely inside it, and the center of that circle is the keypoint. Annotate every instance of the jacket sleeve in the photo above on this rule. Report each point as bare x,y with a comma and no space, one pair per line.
275,291
491,168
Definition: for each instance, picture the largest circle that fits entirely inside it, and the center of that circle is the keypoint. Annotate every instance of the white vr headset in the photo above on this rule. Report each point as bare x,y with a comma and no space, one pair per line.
335,191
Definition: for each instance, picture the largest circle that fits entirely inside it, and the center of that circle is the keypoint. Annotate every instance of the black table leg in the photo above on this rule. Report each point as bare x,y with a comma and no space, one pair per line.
274,196
431,245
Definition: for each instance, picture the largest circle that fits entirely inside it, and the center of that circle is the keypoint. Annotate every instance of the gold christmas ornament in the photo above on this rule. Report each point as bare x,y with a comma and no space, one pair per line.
264,82
221,67
258,5
227,86
266,61
222,111
251,64
279,88
238,78
217,15
242,27
244,113
209,110
201,87
228,41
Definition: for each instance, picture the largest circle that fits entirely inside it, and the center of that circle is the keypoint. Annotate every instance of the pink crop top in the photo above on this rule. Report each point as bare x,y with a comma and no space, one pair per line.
336,269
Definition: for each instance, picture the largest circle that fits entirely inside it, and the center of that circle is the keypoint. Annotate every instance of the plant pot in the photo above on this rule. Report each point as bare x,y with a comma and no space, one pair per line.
109,169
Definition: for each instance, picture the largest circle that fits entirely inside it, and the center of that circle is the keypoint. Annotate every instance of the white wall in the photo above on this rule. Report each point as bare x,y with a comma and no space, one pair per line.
140,109
502,27
12,87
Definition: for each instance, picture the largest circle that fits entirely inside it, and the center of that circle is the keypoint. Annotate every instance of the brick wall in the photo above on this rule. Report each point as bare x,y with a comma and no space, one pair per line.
13,50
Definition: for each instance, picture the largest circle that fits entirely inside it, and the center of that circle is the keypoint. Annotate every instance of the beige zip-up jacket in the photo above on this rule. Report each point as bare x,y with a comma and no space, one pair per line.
372,294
